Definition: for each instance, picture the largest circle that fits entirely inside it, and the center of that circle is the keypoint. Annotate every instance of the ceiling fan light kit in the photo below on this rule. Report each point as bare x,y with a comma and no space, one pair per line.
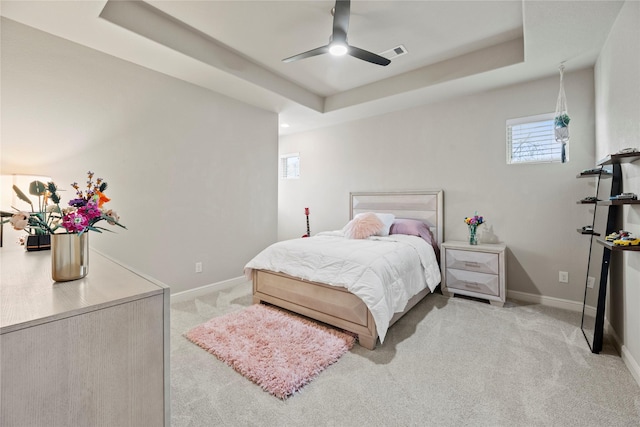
338,44
338,49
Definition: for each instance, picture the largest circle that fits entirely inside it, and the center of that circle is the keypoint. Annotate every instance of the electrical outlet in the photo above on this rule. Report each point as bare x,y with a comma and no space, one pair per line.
198,267
563,277
591,282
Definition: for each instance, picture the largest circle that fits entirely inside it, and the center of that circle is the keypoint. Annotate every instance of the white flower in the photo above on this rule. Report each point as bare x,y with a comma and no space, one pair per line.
19,220
112,214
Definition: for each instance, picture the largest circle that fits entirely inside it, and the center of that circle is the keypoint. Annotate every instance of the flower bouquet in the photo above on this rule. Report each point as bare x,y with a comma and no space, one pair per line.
80,216
70,249
473,222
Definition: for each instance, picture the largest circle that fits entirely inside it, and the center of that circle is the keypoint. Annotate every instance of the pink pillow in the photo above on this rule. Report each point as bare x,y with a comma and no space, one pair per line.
363,226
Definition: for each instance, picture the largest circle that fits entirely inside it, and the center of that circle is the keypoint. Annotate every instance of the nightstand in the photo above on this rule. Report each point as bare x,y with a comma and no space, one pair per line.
474,270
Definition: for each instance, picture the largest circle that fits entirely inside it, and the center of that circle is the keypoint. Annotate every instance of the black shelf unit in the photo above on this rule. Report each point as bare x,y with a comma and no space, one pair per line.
613,160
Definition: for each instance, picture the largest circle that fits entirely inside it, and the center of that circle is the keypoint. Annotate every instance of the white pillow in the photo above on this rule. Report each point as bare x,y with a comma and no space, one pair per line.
386,218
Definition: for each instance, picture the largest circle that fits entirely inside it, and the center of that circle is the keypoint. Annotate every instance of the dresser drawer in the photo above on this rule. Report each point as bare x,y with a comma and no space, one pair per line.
481,262
487,284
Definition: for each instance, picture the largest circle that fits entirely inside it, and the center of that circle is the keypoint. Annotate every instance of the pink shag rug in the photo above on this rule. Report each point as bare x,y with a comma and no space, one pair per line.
279,351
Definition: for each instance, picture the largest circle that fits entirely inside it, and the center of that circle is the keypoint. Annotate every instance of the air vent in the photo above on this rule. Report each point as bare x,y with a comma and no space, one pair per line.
395,52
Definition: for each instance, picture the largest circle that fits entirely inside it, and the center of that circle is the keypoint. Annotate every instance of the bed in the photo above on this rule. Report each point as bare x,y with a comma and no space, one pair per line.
335,305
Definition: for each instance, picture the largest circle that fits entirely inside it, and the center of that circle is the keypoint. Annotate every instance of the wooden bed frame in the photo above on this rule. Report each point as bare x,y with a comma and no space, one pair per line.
335,305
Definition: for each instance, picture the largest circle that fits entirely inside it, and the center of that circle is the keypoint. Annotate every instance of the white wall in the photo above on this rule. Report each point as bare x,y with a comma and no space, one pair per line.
617,85
459,146
187,169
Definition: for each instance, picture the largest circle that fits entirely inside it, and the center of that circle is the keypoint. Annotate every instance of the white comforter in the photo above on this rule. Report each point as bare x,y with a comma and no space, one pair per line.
385,272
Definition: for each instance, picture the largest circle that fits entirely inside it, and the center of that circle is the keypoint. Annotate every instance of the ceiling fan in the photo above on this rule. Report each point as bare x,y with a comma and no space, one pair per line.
338,41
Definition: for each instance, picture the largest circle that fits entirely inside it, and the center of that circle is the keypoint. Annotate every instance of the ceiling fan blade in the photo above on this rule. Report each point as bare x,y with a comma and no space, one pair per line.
308,54
356,52
341,14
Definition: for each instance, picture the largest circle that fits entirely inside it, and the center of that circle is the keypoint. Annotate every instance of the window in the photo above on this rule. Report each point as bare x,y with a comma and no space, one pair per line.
532,140
290,166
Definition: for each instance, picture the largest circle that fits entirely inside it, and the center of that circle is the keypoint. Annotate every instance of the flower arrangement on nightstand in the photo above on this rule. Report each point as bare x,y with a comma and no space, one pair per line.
473,222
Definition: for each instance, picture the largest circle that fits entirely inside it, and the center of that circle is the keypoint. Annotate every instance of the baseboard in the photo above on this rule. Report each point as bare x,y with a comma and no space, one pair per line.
548,301
631,363
185,295
207,289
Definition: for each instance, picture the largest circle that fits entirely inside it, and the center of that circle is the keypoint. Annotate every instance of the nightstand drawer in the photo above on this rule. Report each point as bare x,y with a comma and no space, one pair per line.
488,284
481,262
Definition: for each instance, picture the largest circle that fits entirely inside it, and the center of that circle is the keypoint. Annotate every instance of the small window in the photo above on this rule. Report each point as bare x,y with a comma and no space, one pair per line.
532,140
290,166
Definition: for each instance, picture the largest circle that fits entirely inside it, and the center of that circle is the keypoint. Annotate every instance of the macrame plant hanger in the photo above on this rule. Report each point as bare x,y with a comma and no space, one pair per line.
561,117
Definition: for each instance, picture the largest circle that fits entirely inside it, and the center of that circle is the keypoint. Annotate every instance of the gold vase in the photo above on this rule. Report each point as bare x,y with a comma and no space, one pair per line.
69,256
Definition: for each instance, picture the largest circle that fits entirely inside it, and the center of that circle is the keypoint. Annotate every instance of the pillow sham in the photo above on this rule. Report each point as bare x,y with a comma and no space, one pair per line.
363,225
414,227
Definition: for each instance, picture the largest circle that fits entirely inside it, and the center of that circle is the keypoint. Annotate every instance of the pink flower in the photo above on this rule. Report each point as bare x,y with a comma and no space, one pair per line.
75,222
90,211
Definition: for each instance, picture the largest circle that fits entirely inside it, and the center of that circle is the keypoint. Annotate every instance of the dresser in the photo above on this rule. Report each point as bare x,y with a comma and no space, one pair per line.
89,352
474,270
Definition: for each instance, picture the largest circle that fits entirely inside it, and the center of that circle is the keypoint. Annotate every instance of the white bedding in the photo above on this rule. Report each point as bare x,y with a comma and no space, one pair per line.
385,272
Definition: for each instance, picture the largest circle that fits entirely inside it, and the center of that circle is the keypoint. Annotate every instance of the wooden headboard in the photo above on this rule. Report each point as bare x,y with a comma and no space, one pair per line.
426,206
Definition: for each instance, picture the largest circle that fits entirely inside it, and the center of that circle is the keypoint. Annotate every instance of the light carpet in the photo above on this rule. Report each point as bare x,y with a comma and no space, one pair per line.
449,362
279,351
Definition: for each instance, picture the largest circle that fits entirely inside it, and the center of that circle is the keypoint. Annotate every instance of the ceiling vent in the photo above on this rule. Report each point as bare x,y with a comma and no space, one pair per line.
395,52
